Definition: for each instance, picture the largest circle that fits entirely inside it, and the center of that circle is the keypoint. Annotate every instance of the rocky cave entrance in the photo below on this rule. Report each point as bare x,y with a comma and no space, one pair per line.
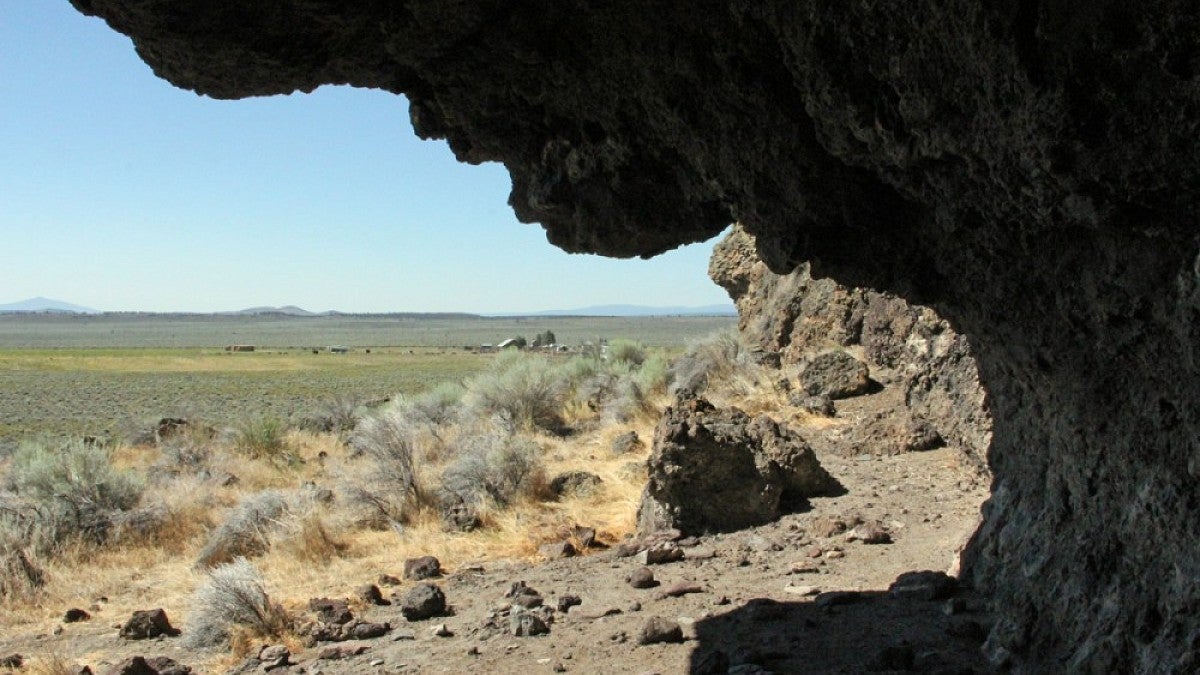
1027,167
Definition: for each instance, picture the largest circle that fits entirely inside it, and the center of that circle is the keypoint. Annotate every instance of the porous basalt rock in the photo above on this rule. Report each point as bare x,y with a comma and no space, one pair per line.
718,470
1028,167
796,316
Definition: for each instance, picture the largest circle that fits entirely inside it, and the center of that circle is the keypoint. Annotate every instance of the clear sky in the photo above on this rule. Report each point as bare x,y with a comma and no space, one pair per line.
120,192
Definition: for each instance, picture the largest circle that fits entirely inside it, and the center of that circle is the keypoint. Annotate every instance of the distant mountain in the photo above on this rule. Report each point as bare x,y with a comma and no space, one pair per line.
635,310
46,305
290,310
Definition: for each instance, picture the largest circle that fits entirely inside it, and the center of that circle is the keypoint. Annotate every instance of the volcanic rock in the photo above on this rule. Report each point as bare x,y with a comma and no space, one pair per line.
721,470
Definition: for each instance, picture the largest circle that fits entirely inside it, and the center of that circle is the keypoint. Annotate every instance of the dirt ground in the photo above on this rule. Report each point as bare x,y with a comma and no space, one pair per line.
781,598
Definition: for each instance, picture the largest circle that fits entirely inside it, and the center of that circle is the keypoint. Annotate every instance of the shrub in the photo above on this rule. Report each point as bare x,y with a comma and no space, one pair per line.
521,390
189,450
627,401
627,351
654,377
717,357
435,408
232,596
337,415
246,531
496,467
262,438
20,577
392,489
67,491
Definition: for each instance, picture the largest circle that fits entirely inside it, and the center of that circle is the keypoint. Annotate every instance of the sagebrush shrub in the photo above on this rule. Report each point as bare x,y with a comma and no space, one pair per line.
246,530
627,352
20,576
436,407
338,415
66,491
391,488
497,467
714,359
262,438
523,391
233,595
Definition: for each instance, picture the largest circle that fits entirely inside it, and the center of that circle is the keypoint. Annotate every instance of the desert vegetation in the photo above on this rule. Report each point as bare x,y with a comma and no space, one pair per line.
229,526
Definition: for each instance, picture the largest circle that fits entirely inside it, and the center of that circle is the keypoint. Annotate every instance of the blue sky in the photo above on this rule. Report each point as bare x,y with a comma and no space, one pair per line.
121,192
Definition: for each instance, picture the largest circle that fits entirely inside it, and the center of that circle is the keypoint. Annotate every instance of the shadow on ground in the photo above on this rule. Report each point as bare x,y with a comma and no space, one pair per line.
918,628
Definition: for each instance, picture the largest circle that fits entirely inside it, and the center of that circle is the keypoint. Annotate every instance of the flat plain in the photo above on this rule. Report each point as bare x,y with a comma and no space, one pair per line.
112,375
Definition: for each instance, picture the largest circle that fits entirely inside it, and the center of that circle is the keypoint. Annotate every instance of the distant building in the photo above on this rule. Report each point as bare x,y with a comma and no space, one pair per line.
338,349
510,343
239,348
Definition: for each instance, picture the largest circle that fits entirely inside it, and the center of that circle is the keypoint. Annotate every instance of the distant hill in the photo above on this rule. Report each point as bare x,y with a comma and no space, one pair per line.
635,310
290,310
46,305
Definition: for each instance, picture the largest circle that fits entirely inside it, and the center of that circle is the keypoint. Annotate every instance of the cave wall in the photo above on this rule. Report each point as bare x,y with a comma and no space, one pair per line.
794,316
1029,168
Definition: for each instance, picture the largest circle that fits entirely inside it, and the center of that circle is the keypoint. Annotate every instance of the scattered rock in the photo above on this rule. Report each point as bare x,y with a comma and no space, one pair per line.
574,484
827,526
566,602
820,405
626,443
682,588
527,624
423,601
871,532
331,611
337,652
660,554
138,665
13,661
146,624
721,470
75,615
586,536
442,630
524,596
132,666
835,374
274,656
371,595
79,670
923,585
801,590
388,580
366,630
658,629
557,550
642,577
892,433
460,517
425,567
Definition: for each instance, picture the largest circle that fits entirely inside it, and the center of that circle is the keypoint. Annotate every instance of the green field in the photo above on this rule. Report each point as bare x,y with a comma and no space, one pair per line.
110,375
47,331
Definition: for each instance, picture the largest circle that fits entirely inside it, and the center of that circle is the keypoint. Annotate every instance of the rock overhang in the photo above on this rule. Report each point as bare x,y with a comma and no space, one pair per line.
1028,165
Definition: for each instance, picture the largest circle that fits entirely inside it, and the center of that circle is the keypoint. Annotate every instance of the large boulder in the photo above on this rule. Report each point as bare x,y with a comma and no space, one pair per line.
835,374
720,470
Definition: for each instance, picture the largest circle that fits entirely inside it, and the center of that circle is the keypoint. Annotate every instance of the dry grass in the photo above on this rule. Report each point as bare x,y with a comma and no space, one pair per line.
319,546
52,664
